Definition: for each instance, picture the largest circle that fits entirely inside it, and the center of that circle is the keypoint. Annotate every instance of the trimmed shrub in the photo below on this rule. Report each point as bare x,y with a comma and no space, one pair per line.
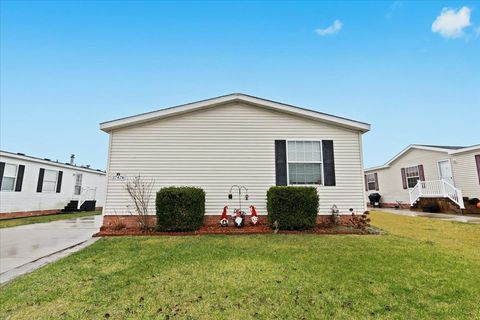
180,208
473,201
295,208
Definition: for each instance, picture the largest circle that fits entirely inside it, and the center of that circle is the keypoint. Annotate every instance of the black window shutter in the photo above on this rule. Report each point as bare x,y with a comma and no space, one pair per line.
280,162
18,184
328,163
59,181
404,178
421,173
477,162
41,173
376,181
2,169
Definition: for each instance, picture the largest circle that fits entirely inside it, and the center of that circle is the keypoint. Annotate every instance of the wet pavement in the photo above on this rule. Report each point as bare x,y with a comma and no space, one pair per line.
441,216
27,246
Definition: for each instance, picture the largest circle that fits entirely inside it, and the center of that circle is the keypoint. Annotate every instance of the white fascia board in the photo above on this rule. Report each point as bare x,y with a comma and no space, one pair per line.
472,148
347,123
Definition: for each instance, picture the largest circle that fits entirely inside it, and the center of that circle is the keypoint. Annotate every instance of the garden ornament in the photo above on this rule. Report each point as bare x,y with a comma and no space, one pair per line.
224,220
253,218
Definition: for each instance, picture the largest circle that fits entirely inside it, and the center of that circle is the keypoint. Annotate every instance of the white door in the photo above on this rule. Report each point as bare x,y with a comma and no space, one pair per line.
445,171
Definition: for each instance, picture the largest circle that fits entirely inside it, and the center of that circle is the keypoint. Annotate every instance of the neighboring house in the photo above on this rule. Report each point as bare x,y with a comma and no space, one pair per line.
33,186
443,171
242,140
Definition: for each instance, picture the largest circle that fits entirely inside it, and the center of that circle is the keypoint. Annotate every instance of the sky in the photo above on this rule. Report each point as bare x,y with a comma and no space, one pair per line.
410,69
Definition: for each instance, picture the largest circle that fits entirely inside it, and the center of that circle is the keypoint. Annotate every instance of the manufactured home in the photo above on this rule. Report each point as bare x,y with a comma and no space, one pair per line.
34,186
241,140
427,171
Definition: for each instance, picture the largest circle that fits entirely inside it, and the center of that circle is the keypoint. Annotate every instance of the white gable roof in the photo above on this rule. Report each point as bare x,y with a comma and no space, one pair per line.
445,149
235,97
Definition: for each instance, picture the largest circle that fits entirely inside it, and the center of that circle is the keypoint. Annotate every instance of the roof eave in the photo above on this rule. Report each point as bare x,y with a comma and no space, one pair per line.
472,148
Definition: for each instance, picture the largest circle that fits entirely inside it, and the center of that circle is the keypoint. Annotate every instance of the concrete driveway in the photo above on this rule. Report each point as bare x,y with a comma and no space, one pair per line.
441,216
28,247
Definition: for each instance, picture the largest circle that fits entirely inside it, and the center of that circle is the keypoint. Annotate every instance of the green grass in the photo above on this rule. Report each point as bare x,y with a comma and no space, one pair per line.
412,272
40,219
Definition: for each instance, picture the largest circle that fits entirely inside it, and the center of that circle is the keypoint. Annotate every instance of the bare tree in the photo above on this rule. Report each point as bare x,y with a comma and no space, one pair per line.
140,190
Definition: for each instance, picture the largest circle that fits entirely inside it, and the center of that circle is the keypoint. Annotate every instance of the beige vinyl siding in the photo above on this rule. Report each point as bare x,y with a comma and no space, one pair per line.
465,173
390,179
225,145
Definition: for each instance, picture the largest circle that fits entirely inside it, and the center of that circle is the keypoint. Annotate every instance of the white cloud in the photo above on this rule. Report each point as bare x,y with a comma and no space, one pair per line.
332,29
450,23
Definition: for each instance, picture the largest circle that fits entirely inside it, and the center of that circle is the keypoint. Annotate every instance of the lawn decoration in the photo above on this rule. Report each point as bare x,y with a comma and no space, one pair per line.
238,215
239,220
253,218
224,220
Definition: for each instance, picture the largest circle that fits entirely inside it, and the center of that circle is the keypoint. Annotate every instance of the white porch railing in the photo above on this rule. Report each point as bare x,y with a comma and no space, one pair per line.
434,189
86,194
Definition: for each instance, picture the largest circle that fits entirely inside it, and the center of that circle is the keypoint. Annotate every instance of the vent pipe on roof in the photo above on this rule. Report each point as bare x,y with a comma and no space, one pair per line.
72,159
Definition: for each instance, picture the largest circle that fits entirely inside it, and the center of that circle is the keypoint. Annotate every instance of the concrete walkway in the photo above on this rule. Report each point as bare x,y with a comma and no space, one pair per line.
28,247
440,216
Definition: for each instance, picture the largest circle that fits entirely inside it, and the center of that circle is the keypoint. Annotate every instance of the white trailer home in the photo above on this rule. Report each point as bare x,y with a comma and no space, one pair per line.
426,171
237,140
34,186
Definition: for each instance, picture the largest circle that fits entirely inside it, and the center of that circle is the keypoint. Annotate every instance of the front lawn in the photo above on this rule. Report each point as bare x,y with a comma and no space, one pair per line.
413,272
7,223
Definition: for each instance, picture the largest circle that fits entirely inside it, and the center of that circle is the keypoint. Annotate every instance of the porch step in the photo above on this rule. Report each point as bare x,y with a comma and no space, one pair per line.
71,206
88,205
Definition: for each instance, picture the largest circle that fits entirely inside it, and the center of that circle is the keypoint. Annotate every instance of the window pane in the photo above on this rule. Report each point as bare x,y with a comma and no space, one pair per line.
300,151
292,156
292,172
7,183
48,186
308,151
50,175
304,173
412,182
10,170
412,171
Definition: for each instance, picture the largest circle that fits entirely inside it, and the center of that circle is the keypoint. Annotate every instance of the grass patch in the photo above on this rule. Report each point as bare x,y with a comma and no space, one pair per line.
7,223
460,238
399,275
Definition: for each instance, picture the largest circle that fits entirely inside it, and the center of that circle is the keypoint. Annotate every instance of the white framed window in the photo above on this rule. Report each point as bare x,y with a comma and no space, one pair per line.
9,177
304,159
413,175
78,184
371,183
50,181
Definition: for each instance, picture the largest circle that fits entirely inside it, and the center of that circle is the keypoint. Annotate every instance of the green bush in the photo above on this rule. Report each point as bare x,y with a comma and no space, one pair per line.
180,208
295,208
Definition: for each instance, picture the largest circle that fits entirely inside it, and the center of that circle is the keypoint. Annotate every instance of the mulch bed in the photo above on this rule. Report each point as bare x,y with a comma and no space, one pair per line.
216,229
